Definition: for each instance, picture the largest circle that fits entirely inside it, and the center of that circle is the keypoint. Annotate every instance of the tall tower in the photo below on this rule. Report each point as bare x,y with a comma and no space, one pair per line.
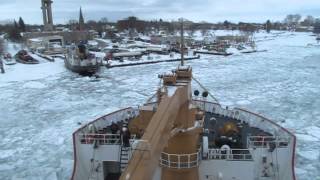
81,20
47,15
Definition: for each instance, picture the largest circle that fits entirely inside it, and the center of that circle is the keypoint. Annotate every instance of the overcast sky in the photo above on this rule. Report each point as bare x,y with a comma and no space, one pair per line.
195,10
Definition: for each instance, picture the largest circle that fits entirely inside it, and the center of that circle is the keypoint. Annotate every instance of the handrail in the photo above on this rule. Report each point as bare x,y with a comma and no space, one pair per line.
109,118
180,161
267,141
253,119
229,154
102,139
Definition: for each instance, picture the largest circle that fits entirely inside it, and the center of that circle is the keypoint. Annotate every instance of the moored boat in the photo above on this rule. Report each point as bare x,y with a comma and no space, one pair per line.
79,60
8,59
23,57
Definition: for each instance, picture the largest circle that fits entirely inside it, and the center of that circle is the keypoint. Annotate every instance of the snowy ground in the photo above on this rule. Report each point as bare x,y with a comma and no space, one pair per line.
41,105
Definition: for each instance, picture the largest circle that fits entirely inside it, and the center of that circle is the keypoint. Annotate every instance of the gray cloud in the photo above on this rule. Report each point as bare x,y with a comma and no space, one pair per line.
196,10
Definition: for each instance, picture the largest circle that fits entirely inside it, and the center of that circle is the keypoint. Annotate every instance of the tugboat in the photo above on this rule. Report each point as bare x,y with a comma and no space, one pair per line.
79,60
23,57
180,134
8,60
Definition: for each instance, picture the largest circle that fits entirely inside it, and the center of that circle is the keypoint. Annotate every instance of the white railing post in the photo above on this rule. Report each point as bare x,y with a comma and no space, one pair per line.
232,154
169,162
181,161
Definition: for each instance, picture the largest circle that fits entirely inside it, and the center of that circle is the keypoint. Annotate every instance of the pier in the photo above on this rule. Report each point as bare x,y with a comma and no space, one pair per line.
151,62
49,58
213,53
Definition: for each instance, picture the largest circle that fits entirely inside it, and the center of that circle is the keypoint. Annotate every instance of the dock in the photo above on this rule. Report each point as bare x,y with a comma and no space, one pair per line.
151,62
253,51
213,53
49,58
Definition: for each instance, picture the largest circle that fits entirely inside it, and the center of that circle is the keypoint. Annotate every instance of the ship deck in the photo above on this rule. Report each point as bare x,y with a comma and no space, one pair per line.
98,132
214,123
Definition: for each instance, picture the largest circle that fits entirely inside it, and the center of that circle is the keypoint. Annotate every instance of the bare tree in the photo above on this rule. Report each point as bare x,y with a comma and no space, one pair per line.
226,24
308,21
104,20
14,32
204,31
268,26
316,29
192,30
2,48
92,24
73,24
292,20
247,28
1,53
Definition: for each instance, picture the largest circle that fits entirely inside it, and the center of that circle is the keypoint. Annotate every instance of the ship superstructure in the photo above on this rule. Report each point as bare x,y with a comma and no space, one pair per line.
78,59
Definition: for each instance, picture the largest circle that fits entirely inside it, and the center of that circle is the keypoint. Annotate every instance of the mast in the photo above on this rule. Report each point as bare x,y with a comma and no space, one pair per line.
182,43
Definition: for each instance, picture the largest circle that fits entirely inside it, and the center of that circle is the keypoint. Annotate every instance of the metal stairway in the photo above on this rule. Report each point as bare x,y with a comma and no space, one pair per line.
124,157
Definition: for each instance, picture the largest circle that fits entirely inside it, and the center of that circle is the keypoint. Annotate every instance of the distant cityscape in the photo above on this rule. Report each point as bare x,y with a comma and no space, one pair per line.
18,30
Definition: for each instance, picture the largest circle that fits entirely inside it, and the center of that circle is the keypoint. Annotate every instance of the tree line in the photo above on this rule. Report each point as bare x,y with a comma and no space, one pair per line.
291,22
134,24
14,29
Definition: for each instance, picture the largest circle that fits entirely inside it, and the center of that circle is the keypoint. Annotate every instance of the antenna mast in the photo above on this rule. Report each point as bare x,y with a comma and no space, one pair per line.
182,43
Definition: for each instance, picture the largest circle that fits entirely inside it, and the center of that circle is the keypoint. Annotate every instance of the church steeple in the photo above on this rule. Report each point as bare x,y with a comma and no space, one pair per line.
81,20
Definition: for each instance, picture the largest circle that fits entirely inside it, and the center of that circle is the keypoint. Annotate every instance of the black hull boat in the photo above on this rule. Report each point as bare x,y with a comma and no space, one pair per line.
24,58
80,61
82,70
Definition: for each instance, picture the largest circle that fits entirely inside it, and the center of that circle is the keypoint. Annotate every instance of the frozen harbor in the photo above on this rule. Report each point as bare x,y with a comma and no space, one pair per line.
41,105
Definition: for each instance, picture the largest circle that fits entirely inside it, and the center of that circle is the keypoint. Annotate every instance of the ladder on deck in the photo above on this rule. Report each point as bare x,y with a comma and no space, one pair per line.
124,157
93,168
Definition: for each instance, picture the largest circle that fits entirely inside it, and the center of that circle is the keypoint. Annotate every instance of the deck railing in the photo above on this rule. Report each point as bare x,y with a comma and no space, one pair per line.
228,154
180,161
106,139
107,120
103,139
267,141
253,119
